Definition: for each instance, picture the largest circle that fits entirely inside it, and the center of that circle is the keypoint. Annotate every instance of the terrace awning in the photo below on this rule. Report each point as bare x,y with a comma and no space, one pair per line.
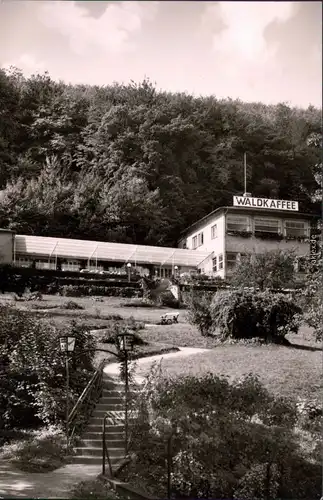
39,246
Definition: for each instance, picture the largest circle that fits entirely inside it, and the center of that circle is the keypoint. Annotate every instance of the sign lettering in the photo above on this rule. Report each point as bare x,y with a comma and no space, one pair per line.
245,201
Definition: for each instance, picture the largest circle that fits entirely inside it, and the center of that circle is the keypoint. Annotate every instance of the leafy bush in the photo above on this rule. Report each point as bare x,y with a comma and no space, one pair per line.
246,315
167,299
199,313
93,488
116,327
228,441
33,369
41,451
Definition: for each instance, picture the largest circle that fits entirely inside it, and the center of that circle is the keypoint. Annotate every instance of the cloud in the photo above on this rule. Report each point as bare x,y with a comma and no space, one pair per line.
245,23
111,32
27,63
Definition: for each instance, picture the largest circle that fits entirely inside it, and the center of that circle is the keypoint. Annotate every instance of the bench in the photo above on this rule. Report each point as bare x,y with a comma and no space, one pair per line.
169,318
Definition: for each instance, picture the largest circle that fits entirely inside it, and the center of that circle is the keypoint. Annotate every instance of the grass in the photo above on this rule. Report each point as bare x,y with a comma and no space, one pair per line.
37,451
54,306
180,335
286,371
291,371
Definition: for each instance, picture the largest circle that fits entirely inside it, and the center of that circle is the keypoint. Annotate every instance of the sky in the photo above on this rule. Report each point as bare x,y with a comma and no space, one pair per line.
255,51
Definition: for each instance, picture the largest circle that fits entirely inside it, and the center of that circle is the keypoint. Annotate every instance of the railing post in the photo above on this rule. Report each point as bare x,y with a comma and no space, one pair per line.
103,448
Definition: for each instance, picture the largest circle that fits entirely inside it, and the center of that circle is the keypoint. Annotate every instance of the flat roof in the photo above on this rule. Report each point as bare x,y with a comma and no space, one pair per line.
218,211
40,246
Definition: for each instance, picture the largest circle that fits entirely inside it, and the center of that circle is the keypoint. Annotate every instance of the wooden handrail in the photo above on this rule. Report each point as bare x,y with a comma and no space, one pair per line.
87,390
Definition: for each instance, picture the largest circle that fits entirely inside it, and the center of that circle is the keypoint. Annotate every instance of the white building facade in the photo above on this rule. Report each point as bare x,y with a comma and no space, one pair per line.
229,233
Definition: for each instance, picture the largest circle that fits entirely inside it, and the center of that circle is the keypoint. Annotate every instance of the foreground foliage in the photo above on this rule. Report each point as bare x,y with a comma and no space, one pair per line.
39,451
32,377
93,488
228,441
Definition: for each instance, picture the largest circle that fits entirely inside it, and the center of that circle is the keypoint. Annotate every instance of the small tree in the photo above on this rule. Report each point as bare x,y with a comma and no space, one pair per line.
272,269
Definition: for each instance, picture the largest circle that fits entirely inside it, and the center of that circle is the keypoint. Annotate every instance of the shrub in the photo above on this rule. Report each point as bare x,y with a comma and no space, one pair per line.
199,313
167,299
41,451
33,369
93,488
228,441
246,315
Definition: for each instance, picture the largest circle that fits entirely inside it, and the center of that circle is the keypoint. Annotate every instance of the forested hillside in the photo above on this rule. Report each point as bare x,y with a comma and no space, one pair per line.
132,164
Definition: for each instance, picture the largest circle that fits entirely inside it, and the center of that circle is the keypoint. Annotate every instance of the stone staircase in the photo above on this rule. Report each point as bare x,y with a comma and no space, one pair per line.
89,448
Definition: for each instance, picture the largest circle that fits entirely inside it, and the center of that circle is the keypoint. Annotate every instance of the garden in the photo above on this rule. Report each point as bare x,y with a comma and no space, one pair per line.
240,420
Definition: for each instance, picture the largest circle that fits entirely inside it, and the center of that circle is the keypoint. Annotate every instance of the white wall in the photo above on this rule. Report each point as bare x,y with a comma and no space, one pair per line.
215,245
224,243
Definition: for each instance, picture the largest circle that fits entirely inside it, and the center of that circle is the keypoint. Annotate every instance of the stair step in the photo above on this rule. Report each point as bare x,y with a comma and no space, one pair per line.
110,400
90,459
100,412
97,452
110,436
116,416
97,426
95,443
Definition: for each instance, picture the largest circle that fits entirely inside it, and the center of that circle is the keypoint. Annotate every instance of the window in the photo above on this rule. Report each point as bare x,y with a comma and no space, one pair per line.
44,264
237,223
221,261
200,239
295,228
267,225
194,242
214,265
23,262
74,265
214,232
231,260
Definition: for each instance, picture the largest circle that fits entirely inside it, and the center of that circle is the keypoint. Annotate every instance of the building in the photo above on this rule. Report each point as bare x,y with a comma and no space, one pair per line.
251,225
75,255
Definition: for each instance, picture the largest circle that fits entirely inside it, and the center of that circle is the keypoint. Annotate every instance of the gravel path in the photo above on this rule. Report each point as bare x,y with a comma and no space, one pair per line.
57,484
144,364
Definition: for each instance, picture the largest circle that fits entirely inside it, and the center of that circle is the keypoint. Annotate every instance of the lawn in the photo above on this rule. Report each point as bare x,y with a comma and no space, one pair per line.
92,309
289,371
286,371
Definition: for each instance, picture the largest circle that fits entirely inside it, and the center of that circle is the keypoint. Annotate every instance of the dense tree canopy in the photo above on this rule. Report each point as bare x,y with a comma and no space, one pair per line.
134,164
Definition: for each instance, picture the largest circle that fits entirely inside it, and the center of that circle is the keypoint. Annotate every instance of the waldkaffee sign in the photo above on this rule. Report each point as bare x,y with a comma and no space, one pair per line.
245,201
